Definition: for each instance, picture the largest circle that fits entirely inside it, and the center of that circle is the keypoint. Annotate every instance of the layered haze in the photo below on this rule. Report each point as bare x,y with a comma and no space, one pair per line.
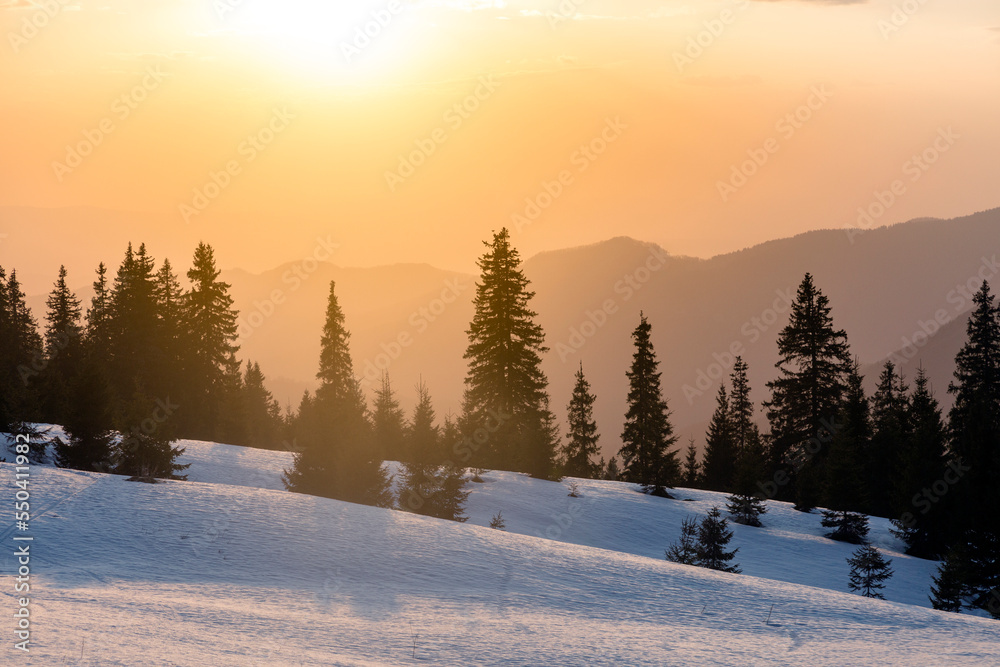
258,125
892,289
658,155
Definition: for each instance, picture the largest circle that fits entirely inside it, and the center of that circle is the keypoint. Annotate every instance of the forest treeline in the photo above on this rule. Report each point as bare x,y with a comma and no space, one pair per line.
150,361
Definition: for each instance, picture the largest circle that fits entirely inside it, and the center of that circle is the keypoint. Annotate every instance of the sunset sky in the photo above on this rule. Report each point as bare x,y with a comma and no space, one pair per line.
675,93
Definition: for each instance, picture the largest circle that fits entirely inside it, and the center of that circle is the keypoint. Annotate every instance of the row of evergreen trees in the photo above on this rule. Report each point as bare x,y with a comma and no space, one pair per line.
149,362
892,454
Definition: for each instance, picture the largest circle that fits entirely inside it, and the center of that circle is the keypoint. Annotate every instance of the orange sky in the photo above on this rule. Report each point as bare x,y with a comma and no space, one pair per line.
161,94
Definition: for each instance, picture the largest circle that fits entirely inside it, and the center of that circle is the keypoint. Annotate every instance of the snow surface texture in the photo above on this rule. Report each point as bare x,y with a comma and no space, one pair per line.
227,569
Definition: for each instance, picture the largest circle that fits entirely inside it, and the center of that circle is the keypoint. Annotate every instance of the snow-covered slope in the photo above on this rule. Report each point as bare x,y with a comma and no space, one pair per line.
791,546
187,573
228,569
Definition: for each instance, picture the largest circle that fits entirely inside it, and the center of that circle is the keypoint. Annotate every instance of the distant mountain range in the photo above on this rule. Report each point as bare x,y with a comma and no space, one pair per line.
902,292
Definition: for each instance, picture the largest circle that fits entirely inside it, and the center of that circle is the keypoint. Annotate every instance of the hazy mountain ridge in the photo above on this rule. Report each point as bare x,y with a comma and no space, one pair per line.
411,318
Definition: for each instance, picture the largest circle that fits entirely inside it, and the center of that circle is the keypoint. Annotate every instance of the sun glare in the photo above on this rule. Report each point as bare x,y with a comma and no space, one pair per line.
326,38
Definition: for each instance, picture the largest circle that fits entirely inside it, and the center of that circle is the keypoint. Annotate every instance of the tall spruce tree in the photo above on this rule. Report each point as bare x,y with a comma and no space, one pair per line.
922,523
98,329
844,491
814,361
23,354
337,457
581,446
172,337
741,411
973,502
648,434
7,370
890,431
137,361
505,386
720,447
211,323
975,419
63,350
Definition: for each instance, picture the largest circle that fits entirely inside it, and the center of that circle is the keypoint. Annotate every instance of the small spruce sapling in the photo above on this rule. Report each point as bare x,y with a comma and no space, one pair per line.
869,571
685,551
497,522
713,537
849,527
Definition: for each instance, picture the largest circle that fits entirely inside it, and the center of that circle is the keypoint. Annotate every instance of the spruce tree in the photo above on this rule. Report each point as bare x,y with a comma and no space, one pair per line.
923,459
209,312
63,350
388,422
745,504
975,420
648,434
337,457
505,386
972,529
146,450
429,486
612,472
211,334
435,491
137,363
844,492
581,447
741,411
969,576
720,448
983,571
713,538
98,329
422,437
230,424
685,551
172,337
813,365
950,588
497,522
451,436
692,467
23,356
890,431
259,410
90,436
7,368
869,572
